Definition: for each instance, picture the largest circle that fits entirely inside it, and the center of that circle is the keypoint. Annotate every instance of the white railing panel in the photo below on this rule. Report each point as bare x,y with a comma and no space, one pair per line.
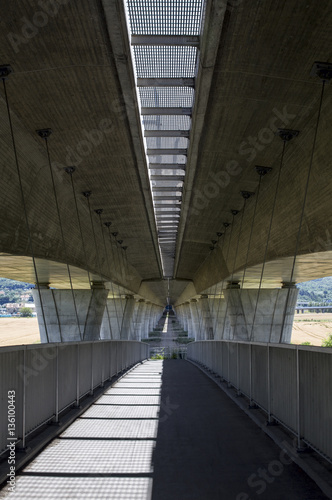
316,399
67,364
11,380
283,385
41,385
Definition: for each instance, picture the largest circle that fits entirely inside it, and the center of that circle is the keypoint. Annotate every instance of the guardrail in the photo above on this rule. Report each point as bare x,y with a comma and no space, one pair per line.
39,382
292,384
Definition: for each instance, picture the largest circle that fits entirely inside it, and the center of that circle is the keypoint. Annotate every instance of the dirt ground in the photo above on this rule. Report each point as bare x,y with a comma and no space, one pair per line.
18,331
308,327
311,327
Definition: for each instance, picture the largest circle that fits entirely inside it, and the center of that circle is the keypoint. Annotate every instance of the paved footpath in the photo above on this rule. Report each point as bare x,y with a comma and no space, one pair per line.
209,449
164,431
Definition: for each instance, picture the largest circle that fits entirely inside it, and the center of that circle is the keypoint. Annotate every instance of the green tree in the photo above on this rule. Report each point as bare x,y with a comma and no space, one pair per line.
26,312
327,342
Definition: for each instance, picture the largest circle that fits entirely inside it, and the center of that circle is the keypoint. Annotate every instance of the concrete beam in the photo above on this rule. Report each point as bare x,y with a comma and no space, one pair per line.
165,40
166,133
165,82
166,151
151,110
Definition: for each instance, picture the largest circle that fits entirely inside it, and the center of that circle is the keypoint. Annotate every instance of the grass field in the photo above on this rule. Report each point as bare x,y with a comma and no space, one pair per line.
309,327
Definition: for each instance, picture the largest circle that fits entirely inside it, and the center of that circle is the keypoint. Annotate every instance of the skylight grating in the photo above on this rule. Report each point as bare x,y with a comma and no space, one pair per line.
165,62
167,142
182,97
165,39
168,159
165,17
167,122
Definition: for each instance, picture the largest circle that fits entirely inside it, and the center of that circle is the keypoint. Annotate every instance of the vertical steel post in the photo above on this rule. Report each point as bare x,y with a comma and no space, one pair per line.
57,384
298,409
24,398
268,386
91,389
78,376
238,369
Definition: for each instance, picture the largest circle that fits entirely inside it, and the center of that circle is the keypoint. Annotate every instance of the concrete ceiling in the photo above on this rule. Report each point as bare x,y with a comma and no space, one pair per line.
72,72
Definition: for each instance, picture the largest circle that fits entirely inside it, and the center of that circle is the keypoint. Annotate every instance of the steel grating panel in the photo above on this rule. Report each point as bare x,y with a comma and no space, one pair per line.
167,143
165,62
167,97
168,159
165,17
165,36
167,122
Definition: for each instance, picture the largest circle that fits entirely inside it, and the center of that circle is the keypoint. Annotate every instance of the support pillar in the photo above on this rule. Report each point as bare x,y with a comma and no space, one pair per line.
128,318
195,320
206,321
114,316
187,317
274,316
139,321
60,314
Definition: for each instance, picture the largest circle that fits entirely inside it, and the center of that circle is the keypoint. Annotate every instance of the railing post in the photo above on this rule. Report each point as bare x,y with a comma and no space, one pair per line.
228,368
268,386
102,367
238,392
91,389
298,406
24,398
77,376
252,405
57,385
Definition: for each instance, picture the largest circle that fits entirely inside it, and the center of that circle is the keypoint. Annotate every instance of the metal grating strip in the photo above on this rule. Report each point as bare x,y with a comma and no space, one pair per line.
165,62
167,122
167,97
165,17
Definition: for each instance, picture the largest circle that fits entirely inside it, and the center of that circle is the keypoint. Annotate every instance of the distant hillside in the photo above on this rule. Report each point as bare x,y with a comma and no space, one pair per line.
319,290
11,291
316,290
14,285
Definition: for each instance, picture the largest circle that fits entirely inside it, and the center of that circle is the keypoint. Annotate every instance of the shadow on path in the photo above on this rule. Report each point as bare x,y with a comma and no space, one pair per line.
208,449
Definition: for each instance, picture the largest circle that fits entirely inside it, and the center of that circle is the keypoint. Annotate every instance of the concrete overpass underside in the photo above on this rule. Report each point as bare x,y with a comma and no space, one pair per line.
73,73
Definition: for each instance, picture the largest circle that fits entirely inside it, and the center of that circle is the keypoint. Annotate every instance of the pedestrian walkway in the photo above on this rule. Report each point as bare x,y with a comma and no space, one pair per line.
164,431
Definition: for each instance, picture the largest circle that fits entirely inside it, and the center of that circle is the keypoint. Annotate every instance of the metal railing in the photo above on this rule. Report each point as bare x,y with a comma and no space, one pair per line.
292,384
39,382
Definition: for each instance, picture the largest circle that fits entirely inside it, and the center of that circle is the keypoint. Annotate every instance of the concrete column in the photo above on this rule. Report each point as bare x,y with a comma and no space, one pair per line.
188,320
180,315
154,316
273,320
146,320
128,318
113,315
206,321
221,324
195,320
61,317
139,321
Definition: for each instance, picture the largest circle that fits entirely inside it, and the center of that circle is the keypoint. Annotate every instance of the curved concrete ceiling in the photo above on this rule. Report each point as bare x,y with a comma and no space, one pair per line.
72,72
